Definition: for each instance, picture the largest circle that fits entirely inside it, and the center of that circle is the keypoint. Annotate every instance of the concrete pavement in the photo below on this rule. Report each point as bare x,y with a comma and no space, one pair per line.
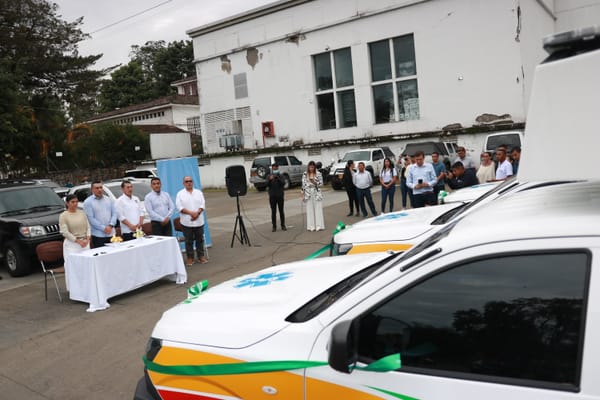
58,351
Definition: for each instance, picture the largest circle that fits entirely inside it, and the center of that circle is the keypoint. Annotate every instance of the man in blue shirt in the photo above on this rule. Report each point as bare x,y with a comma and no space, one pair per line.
440,172
159,207
422,179
101,214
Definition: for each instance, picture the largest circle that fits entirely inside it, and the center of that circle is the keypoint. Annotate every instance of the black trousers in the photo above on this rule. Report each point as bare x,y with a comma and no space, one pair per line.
352,200
159,229
99,241
193,234
276,202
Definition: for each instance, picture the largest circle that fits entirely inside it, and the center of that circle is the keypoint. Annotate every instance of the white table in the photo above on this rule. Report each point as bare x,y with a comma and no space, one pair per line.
95,275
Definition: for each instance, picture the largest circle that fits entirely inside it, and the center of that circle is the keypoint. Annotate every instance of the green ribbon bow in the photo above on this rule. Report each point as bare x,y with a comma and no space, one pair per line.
195,291
338,228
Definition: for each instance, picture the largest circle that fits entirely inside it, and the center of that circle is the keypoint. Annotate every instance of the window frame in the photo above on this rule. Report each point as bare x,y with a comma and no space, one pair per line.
394,81
334,93
564,387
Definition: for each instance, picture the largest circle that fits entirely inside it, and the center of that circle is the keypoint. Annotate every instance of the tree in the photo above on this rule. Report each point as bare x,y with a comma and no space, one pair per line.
149,74
45,77
88,146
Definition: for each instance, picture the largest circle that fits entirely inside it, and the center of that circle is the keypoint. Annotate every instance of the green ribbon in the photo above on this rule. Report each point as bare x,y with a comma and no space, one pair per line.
338,228
195,291
385,364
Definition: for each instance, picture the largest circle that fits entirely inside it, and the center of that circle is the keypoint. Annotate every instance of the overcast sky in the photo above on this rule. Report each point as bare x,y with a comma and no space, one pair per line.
138,21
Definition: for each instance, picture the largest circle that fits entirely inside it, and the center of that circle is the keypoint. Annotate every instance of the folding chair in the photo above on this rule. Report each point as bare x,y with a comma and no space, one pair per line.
179,228
50,255
147,228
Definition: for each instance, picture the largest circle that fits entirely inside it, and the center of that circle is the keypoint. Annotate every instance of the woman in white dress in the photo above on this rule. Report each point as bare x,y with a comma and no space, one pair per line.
75,228
312,180
487,168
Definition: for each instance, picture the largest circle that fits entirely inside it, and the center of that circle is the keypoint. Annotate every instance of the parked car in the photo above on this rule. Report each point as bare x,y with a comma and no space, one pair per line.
61,191
28,217
472,312
446,150
290,169
372,157
112,189
508,139
141,173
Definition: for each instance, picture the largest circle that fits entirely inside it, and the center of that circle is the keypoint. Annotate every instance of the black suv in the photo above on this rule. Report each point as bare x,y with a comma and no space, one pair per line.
28,216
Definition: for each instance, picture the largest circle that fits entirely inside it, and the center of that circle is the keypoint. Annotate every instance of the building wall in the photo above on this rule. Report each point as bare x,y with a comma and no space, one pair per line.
468,63
573,14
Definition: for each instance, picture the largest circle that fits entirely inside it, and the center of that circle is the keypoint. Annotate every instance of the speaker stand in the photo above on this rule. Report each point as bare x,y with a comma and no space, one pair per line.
242,236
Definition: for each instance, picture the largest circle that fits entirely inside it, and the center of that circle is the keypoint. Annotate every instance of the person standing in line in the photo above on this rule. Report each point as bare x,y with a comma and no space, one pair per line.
421,179
191,204
75,228
387,178
363,182
440,172
129,212
515,154
466,160
275,185
312,180
505,169
160,208
348,183
404,190
487,168
101,214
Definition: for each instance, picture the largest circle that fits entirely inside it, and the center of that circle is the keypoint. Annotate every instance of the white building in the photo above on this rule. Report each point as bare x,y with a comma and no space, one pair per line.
336,71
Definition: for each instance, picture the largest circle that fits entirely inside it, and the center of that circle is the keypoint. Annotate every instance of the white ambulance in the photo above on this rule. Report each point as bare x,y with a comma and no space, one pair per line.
503,303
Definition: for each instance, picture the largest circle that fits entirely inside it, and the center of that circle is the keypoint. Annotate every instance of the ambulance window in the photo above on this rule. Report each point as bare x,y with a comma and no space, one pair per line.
515,319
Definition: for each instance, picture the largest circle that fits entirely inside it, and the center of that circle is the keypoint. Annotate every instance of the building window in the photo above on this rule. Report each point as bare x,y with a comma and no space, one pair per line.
394,79
240,86
334,84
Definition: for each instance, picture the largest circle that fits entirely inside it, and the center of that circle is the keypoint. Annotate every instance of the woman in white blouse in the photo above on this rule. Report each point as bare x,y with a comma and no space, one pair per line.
312,180
75,228
387,178
487,168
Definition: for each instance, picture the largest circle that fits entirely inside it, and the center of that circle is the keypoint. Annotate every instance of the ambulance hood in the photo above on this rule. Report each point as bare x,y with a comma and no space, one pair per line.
396,226
242,311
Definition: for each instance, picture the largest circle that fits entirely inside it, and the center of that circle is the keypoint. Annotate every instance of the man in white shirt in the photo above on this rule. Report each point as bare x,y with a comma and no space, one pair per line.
505,169
160,208
190,203
129,211
466,160
363,181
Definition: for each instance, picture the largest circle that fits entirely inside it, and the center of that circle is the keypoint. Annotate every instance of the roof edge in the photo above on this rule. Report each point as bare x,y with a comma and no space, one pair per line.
245,16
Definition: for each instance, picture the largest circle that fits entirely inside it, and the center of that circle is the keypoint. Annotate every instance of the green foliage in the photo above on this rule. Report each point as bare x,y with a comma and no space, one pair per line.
149,74
88,150
42,77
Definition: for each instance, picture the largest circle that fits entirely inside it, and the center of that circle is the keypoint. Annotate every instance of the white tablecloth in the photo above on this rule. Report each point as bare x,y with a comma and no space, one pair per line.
95,275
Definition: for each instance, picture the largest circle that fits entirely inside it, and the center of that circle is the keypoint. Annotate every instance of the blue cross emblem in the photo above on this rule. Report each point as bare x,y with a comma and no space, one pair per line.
263,279
391,216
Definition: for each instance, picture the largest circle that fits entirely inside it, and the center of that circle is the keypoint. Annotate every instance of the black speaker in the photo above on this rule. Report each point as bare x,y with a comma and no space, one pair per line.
235,179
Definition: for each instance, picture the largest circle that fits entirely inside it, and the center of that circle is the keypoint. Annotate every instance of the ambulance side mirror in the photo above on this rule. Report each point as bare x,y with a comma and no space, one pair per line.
343,346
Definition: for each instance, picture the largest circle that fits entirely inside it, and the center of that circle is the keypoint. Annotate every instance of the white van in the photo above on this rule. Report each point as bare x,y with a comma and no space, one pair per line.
476,312
504,303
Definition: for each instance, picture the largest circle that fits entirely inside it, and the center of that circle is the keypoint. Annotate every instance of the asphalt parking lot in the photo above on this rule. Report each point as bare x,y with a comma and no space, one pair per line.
57,351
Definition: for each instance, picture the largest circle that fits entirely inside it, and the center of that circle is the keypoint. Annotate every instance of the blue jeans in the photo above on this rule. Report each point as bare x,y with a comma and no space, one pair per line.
385,194
404,191
362,194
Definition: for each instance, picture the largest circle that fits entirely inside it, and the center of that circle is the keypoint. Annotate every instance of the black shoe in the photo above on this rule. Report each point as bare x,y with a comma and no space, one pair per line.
349,214
283,228
274,229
